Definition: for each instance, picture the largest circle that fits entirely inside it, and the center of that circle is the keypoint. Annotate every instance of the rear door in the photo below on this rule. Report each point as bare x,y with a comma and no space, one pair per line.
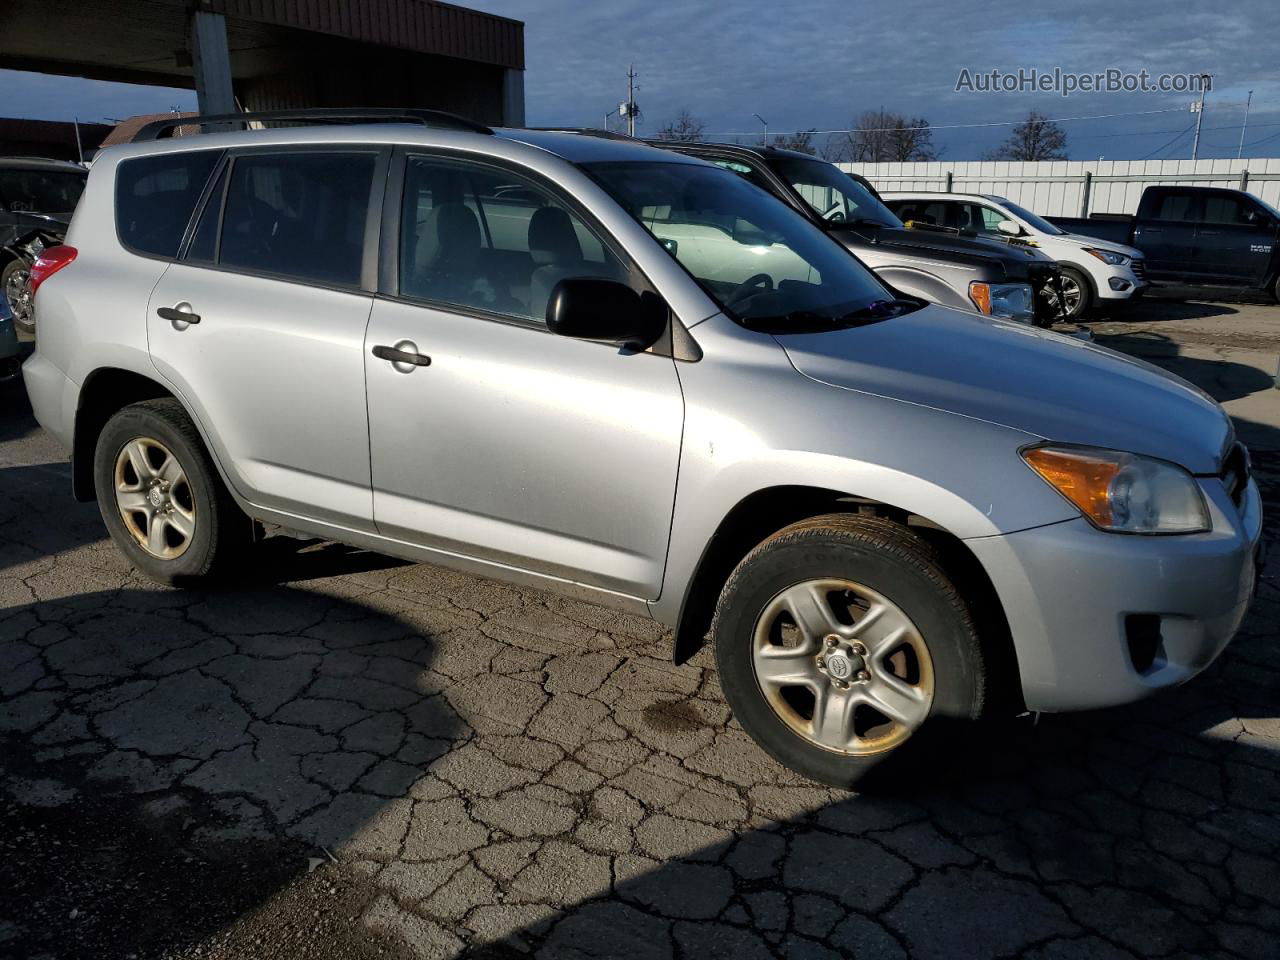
513,446
278,272
1167,235
1233,241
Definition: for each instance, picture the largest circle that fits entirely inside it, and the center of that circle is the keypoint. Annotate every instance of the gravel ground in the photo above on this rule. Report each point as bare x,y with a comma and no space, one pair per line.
347,756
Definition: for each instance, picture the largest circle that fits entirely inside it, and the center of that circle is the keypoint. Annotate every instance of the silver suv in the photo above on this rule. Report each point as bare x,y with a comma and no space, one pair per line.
632,377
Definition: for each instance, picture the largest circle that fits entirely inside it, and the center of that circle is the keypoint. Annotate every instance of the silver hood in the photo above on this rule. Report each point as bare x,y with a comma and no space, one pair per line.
1043,384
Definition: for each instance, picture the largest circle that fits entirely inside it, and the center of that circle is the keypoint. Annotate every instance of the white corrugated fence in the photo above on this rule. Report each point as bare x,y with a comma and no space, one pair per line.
1063,188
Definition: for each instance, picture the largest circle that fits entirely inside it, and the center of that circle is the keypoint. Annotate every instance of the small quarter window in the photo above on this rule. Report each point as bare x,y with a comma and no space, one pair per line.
155,197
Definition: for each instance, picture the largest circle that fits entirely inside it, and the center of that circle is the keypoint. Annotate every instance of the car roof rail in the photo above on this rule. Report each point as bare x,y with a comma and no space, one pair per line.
427,118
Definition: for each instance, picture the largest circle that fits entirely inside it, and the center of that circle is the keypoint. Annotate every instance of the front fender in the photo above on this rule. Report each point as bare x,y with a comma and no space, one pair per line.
753,424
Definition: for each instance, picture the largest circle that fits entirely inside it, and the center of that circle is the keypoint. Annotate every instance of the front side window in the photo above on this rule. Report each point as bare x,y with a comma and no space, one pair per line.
298,215
1224,208
761,261
40,191
155,197
834,195
487,239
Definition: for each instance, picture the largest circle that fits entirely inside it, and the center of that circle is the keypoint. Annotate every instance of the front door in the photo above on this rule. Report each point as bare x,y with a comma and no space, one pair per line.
1233,241
514,445
273,367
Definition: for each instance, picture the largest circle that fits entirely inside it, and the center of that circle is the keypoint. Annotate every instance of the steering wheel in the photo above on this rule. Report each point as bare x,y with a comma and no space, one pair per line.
756,283
833,212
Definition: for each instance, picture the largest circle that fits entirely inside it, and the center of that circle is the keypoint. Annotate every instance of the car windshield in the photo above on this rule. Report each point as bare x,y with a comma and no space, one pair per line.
1037,221
833,194
763,263
40,191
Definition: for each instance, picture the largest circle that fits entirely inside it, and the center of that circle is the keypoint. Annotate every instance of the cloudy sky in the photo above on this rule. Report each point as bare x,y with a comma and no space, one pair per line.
819,63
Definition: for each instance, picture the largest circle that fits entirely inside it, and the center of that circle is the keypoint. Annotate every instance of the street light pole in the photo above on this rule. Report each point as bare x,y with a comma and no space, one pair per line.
765,141
1248,103
1195,144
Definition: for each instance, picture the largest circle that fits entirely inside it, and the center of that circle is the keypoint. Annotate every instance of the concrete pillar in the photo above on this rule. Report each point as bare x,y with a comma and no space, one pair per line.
211,61
513,98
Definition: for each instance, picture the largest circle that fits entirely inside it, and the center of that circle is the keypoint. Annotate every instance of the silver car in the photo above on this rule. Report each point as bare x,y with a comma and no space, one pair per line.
634,378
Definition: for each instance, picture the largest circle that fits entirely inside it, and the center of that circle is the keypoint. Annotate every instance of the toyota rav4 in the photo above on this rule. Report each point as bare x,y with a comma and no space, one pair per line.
635,378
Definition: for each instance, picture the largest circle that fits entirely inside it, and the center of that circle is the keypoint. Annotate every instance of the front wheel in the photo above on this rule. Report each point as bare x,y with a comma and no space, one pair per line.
161,497
1076,294
841,643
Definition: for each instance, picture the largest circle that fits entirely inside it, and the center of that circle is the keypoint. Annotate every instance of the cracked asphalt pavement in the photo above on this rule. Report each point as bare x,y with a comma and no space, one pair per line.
349,756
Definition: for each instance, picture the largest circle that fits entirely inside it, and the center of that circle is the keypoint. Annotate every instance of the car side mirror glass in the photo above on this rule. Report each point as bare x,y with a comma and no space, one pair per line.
606,311
1009,228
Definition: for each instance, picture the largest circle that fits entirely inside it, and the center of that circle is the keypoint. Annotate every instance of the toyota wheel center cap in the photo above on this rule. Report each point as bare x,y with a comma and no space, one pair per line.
839,666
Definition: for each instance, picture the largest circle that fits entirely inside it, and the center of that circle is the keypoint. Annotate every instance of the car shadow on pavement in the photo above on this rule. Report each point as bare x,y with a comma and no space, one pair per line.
172,759
1224,380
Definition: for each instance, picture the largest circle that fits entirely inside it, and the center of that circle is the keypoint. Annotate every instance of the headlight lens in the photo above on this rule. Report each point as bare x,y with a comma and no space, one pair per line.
1014,300
1123,492
1106,256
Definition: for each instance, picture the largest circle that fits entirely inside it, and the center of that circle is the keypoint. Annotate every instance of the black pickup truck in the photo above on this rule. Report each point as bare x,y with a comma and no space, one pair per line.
1197,237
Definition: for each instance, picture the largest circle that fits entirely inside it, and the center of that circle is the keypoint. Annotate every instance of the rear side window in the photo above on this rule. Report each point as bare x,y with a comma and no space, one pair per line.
299,215
1177,206
155,197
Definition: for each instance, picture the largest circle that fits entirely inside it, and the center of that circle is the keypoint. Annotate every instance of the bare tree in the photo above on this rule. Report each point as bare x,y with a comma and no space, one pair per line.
685,128
1036,138
801,140
881,135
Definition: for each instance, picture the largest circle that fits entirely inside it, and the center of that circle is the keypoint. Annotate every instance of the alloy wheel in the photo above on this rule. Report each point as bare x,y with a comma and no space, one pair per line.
843,666
154,498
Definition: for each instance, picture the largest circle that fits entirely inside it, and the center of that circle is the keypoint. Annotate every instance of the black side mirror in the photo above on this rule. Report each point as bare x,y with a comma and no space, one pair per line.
593,308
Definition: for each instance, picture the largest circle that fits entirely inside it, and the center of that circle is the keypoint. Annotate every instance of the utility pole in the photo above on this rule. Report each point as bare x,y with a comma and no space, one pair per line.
630,109
1199,111
765,141
1248,103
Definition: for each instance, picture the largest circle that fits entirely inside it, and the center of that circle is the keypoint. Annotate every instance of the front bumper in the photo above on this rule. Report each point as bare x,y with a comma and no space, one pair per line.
1100,619
1121,282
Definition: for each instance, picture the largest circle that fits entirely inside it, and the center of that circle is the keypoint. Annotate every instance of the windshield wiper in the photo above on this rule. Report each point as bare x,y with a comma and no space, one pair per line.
873,312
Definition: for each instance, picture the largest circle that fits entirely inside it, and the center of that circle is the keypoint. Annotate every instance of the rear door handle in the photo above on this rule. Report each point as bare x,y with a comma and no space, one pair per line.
180,315
403,356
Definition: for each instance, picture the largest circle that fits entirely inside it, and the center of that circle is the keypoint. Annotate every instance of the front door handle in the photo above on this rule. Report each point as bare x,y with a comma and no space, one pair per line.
180,315
404,356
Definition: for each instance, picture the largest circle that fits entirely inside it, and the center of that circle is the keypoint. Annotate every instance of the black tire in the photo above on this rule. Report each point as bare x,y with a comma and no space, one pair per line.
221,533
896,563
12,267
1085,303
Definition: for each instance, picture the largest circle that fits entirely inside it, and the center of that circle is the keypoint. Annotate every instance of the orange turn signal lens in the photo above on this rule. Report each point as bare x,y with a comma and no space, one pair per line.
1084,479
980,294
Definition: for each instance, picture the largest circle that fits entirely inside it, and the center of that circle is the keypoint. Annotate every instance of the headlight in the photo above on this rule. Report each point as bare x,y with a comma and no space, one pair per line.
1014,300
1106,256
1123,492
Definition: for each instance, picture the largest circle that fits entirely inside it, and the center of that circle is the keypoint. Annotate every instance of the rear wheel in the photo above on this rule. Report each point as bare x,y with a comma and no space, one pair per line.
161,497
841,643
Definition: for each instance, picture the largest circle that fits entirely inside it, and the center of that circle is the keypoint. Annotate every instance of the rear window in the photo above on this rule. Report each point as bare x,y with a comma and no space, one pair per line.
40,191
155,197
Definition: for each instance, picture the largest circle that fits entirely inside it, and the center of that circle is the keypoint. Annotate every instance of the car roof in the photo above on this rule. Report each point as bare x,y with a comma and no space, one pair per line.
745,150
943,195
586,146
41,163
